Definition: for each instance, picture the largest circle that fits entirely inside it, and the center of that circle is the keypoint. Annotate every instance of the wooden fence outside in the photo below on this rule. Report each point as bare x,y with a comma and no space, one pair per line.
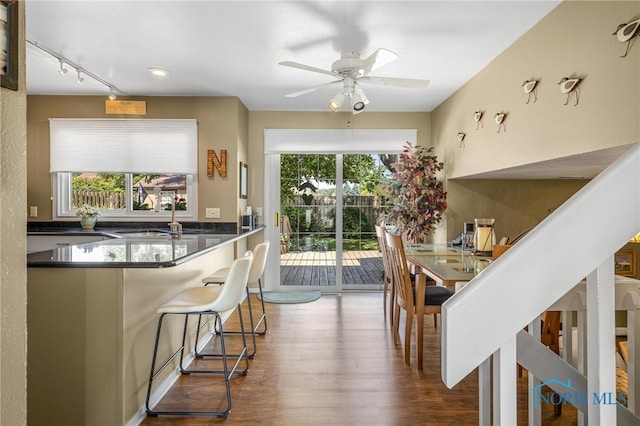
371,206
99,199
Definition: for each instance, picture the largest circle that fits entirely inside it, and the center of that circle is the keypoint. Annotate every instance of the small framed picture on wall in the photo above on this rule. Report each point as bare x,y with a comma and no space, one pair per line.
9,44
625,263
244,171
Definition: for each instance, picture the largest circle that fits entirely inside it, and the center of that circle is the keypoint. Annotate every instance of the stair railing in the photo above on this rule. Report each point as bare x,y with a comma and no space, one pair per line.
577,240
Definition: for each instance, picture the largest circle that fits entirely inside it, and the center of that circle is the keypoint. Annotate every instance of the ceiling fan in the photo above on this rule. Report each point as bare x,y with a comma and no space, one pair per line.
350,70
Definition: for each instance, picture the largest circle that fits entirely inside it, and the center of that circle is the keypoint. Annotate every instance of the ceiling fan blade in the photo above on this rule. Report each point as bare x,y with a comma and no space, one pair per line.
307,68
409,83
312,89
377,59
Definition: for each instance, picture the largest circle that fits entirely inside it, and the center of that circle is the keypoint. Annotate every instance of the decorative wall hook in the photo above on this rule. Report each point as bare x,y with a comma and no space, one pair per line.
570,86
461,136
530,88
626,33
477,116
500,117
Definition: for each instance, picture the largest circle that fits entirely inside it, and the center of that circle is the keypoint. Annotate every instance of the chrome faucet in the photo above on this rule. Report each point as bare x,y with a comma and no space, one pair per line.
174,227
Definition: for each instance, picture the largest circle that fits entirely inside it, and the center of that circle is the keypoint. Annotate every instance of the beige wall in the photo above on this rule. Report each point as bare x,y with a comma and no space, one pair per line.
243,153
222,124
516,205
13,273
575,39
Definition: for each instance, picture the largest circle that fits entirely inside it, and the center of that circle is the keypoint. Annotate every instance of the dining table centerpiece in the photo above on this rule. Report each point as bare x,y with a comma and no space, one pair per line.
88,216
418,195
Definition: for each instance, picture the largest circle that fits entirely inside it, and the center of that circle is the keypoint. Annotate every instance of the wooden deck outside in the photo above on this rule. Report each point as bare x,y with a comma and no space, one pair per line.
319,268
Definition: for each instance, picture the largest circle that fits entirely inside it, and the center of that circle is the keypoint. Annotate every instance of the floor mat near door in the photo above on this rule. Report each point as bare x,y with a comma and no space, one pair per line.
290,296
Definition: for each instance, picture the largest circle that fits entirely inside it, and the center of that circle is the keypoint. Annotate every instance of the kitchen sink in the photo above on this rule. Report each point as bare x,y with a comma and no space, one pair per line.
147,234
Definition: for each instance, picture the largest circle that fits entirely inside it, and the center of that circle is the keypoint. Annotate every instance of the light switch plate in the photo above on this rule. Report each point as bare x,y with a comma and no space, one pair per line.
212,213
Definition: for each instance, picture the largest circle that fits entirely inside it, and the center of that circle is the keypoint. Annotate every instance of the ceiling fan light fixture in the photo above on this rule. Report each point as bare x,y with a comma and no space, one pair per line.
336,102
358,107
359,101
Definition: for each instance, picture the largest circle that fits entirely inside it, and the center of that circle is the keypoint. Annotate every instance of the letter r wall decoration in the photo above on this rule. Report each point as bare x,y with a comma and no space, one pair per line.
219,164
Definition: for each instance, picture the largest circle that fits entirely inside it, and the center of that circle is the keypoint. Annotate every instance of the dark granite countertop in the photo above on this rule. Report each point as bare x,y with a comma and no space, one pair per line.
131,247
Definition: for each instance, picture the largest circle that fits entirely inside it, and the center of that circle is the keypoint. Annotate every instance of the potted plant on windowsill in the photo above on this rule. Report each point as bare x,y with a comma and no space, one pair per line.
88,216
418,194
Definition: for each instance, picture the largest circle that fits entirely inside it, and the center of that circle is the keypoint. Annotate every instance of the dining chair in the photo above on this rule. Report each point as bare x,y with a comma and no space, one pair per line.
550,337
418,300
388,274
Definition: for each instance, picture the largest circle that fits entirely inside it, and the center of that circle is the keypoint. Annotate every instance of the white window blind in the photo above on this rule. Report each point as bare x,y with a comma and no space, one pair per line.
294,141
124,145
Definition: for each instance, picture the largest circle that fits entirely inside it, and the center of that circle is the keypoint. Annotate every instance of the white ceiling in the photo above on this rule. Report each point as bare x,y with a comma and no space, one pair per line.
232,48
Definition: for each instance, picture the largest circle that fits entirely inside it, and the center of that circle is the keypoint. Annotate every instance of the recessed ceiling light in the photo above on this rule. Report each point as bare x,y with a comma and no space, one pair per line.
158,72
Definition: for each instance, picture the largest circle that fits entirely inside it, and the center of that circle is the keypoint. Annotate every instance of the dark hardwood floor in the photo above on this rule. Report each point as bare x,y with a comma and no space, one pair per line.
334,362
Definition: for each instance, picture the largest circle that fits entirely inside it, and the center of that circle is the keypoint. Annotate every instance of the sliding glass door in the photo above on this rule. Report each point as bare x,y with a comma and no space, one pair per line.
327,206
363,204
322,199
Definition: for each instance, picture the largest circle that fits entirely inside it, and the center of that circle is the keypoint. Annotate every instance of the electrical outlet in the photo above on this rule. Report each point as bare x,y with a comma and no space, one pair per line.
212,213
33,211
259,211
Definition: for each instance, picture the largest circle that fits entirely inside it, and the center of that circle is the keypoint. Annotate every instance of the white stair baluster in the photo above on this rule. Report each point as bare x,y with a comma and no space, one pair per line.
601,377
505,384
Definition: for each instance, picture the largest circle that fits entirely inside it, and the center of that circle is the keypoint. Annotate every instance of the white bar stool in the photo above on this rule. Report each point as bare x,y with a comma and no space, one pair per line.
260,252
206,301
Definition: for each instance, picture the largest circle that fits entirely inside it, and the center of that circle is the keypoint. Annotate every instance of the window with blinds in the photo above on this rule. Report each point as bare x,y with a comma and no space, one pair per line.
121,165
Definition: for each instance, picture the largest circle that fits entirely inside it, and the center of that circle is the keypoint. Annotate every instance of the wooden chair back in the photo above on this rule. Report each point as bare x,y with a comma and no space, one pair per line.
400,270
382,244
388,274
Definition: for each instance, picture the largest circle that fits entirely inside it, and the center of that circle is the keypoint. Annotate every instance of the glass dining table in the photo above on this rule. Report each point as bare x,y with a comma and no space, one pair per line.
444,264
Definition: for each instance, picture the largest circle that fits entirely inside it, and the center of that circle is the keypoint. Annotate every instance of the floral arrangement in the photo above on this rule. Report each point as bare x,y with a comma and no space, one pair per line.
419,196
87,210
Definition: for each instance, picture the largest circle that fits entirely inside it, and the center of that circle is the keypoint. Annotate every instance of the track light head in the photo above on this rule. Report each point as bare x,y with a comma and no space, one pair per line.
112,95
62,70
79,79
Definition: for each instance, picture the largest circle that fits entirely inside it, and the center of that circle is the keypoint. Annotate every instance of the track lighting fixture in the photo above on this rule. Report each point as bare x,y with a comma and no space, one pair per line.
62,70
112,96
336,102
79,79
